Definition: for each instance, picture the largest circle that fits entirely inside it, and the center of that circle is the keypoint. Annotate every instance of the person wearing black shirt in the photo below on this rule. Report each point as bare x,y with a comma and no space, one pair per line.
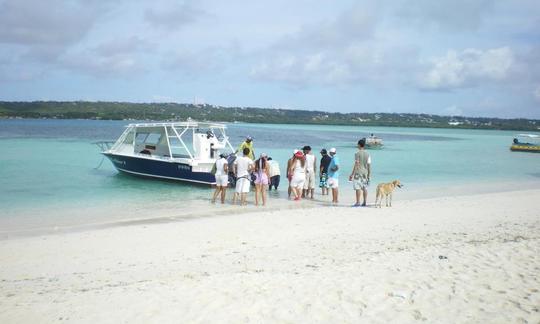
325,162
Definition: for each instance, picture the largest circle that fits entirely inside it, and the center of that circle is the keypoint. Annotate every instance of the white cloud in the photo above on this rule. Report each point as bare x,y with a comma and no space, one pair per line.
468,68
52,22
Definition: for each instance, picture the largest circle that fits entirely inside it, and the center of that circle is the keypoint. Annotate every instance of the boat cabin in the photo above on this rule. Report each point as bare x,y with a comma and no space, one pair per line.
194,141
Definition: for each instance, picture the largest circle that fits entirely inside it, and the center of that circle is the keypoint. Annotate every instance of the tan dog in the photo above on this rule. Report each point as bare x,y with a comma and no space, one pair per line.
386,189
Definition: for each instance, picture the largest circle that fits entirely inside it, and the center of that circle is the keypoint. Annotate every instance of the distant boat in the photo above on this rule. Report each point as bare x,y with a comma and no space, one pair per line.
526,143
374,142
184,151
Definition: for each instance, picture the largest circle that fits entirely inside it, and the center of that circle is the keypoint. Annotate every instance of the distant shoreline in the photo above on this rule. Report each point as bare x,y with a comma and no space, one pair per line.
175,111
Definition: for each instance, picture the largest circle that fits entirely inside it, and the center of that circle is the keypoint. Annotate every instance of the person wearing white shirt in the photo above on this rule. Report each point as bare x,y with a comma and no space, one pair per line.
275,174
311,166
222,178
242,168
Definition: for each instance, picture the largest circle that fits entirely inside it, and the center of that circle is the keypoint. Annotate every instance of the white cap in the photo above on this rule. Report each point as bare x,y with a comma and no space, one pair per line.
332,150
263,155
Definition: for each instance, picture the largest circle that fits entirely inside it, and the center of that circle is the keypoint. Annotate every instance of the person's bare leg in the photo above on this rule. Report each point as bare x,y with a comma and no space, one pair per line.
257,189
263,193
223,189
297,192
311,193
365,197
289,190
216,192
358,194
335,195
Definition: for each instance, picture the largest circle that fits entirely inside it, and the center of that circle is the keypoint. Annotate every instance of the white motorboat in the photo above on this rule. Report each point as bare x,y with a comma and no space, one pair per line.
184,151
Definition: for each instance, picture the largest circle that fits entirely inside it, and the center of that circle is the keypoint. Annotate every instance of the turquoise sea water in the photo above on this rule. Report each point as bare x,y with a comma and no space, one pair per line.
48,166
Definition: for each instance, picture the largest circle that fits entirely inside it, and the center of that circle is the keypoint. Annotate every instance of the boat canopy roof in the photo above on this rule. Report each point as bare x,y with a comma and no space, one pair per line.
528,135
185,124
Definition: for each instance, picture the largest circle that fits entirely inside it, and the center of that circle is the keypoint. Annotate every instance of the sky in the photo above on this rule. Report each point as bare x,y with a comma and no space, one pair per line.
460,57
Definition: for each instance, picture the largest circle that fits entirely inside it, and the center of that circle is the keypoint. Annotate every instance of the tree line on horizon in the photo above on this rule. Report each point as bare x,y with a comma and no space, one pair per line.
205,112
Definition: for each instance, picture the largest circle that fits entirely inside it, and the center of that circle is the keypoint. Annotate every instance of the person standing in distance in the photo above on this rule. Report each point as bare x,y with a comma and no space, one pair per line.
361,173
275,174
242,167
298,171
289,174
323,172
311,166
333,175
222,178
248,143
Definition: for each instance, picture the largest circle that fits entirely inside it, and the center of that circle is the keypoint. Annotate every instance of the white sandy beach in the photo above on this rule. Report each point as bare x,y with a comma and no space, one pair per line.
472,259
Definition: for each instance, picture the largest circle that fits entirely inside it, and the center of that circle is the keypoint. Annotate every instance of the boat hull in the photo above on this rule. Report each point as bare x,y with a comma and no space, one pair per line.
159,169
525,148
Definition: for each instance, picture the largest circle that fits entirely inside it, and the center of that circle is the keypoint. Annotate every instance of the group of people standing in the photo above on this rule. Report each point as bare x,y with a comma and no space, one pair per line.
301,174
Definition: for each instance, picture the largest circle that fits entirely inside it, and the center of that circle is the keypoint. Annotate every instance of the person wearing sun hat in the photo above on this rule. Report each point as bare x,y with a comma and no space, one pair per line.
248,143
333,175
289,175
298,171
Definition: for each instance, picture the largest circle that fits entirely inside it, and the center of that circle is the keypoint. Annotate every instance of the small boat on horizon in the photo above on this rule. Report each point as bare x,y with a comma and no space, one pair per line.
526,143
374,142
184,151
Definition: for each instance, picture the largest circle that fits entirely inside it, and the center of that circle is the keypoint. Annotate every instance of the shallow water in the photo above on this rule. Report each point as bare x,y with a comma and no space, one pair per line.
48,175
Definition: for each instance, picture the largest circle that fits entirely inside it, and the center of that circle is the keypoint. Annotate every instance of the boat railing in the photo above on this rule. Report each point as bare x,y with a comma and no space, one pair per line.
104,145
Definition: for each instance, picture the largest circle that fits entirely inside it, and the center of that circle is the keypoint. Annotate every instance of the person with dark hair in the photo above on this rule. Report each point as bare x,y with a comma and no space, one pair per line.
248,143
323,171
275,174
261,178
311,166
298,171
361,173
242,167
222,178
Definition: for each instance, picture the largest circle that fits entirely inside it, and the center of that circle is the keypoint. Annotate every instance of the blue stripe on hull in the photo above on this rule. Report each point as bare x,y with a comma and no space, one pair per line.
159,169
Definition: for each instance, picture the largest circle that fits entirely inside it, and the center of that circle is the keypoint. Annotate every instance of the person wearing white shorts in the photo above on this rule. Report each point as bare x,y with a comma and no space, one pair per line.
333,183
222,178
242,185
298,181
242,166
298,171
333,175
311,166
